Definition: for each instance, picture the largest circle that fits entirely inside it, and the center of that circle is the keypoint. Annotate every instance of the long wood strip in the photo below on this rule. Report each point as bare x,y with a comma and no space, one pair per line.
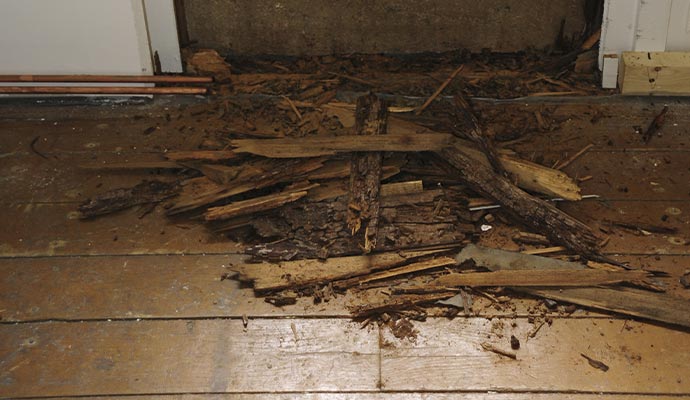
107,78
203,356
407,269
99,90
330,145
561,278
201,155
529,176
257,204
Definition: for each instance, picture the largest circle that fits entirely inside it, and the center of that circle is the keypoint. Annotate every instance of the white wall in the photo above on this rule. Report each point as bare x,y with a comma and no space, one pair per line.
162,25
74,36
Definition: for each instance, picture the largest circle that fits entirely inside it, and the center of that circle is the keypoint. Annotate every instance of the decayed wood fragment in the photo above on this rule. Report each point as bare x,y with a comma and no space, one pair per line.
261,175
365,173
541,215
120,199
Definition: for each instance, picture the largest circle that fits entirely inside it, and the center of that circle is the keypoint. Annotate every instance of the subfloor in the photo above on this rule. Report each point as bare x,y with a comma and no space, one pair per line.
134,305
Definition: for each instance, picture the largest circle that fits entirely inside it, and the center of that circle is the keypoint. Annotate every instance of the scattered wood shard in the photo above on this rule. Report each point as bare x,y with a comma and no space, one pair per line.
595,363
655,126
505,353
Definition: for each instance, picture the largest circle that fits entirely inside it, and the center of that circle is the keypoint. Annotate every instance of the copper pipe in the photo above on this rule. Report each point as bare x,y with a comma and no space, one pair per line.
107,78
99,90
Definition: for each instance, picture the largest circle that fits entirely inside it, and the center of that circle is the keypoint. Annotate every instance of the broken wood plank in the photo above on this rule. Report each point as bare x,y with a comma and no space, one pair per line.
529,176
538,278
407,269
542,216
365,173
262,175
653,306
296,274
257,204
134,165
660,307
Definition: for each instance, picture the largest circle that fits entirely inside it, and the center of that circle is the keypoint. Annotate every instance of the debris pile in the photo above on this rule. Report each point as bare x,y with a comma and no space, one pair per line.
365,198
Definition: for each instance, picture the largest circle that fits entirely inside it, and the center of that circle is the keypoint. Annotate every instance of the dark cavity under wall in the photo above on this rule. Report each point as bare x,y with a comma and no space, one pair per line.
318,27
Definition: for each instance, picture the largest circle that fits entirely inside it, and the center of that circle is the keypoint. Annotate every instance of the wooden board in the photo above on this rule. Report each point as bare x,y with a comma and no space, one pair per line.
389,396
655,73
332,355
176,286
452,350
52,229
202,356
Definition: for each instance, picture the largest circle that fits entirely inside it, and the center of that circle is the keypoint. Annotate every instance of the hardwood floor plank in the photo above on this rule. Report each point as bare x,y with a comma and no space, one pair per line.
447,355
634,176
130,287
54,229
158,357
37,180
390,396
176,286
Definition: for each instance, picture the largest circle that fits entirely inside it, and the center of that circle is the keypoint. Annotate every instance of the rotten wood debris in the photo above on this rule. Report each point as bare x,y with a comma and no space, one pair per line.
375,200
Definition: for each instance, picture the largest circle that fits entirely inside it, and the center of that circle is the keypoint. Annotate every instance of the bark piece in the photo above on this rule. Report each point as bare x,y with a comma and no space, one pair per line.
365,173
542,216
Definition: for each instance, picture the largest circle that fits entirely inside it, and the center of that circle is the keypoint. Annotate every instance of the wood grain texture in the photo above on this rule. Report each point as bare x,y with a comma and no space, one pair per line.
655,73
452,350
52,229
391,396
176,286
156,357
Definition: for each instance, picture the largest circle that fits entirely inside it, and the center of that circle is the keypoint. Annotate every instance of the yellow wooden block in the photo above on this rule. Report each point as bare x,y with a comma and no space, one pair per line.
655,73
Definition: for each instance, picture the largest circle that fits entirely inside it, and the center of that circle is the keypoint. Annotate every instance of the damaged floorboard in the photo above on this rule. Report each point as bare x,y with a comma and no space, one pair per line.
191,337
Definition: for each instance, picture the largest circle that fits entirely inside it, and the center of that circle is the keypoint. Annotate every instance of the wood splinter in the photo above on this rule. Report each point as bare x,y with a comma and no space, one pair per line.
505,353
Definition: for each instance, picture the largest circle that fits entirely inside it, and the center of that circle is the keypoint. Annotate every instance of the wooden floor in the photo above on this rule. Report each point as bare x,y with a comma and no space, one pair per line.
135,307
